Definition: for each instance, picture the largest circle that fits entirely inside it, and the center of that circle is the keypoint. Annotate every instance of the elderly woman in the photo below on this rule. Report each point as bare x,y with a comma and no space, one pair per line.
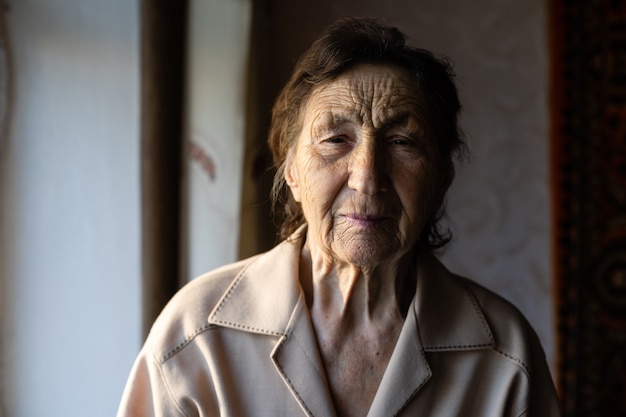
352,314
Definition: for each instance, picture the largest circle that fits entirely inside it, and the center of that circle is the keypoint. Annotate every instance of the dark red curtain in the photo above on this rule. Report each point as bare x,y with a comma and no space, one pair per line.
589,184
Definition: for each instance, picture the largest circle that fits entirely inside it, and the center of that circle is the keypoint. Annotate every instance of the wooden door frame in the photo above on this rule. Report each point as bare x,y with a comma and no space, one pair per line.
163,63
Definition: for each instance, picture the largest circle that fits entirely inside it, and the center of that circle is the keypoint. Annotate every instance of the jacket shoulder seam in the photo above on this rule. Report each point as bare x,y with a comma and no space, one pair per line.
167,387
515,360
188,339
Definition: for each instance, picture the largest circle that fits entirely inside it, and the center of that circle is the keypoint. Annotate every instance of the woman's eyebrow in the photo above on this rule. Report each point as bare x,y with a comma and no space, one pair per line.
343,117
407,120
333,118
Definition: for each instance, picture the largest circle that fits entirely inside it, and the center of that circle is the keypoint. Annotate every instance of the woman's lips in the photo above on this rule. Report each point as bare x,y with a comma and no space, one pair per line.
363,219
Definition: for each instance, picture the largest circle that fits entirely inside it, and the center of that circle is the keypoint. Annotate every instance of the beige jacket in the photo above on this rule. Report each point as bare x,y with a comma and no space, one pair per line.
238,342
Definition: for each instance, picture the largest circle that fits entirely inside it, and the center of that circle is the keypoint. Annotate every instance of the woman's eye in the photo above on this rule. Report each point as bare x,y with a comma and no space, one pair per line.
401,141
337,140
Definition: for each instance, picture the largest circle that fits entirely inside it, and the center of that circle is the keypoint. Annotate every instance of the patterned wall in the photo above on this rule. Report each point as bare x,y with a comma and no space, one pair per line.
499,204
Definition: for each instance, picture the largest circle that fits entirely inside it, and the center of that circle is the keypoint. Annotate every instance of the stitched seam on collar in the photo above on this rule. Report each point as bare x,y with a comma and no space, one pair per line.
290,334
248,328
457,347
480,314
231,289
306,353
419,387
288,381
184,343
228,294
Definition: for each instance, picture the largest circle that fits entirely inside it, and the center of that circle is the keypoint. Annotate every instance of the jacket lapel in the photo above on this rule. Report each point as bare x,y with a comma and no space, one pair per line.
438,320
406,373
296,358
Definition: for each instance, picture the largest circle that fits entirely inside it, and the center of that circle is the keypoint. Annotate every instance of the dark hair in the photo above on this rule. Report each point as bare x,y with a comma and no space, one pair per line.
341,46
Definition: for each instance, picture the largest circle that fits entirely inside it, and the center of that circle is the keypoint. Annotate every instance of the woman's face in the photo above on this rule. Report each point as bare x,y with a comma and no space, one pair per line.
367,177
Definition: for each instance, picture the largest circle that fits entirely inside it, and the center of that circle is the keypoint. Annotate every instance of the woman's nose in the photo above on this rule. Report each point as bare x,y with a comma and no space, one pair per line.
367,170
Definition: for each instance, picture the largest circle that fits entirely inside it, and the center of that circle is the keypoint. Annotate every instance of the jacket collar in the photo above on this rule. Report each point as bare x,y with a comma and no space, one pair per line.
263,296
266,298
447,312
262,299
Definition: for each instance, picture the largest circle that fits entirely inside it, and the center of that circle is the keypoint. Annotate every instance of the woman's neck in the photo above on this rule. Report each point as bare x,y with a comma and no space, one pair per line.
357,315
354,292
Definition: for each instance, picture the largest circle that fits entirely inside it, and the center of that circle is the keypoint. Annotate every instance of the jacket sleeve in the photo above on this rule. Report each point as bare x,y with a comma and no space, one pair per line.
147,393
542,397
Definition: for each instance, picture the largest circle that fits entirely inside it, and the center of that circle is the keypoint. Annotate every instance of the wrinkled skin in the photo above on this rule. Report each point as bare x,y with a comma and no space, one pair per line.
368,179
363,169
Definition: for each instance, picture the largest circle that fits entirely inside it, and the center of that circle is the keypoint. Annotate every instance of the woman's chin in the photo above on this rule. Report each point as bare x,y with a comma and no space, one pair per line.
364,253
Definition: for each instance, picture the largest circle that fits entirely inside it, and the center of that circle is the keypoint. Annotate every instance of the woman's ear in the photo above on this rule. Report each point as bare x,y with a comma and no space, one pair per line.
292,180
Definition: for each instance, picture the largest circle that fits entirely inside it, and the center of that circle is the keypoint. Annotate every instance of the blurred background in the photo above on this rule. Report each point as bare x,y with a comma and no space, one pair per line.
133,158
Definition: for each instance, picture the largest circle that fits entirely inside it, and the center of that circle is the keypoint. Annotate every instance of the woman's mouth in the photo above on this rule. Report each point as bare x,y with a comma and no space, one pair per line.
363,220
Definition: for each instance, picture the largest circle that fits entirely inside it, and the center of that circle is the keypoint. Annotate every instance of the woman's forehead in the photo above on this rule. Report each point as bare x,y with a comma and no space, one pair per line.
365,93
366,83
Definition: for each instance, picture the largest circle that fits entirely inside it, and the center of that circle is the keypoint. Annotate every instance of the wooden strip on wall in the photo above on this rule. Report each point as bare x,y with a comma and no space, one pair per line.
163,45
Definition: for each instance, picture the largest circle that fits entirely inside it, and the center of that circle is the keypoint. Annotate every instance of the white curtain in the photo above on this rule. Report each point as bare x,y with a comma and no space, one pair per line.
215,129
